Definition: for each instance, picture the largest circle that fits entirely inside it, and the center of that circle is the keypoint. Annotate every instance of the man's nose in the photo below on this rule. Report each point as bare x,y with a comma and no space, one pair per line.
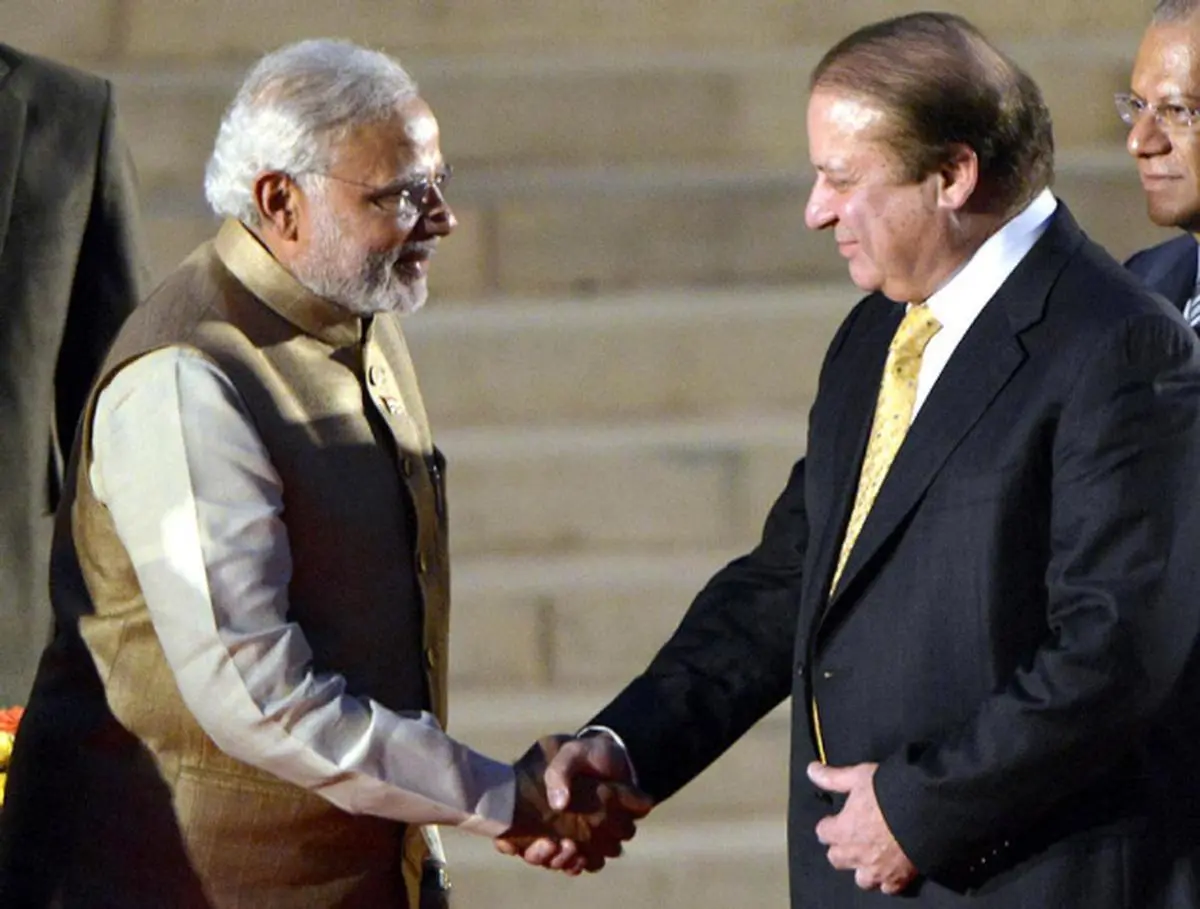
1147,137
817,213
439,219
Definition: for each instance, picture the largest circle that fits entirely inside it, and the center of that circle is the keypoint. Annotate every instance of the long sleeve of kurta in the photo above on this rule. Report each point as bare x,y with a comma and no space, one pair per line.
199,508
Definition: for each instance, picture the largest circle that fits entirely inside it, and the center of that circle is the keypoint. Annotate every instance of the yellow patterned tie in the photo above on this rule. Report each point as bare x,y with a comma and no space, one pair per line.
893,414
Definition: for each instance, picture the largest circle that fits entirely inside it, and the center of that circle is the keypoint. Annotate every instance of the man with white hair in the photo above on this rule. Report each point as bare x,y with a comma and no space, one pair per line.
244,703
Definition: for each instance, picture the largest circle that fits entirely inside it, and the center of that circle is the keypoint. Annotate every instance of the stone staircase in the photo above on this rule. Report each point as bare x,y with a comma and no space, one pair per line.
625,331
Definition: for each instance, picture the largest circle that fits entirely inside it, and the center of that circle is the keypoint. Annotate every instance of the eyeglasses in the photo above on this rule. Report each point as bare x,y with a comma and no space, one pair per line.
1167,116
405,201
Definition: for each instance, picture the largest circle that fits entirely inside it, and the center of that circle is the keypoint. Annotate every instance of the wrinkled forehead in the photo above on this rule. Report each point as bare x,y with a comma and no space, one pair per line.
1168,61
844,123
406,141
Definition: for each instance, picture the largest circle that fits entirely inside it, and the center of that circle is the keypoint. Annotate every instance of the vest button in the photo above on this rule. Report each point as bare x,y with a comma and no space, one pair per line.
430,657
393,406
375,375
422,563
407,466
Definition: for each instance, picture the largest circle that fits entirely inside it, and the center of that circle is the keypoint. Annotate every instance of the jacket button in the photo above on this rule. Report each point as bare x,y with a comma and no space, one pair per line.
430,657
375,375
422,563
407,466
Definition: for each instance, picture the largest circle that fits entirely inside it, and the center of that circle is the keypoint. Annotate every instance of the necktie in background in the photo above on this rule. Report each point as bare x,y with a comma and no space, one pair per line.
893,414
1191,309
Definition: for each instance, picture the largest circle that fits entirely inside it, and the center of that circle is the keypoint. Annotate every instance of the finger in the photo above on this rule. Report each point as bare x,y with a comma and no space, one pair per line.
540,852
611,813
561,770
841,858
577,867
832,779
827,830
866,879
622,827
567,853
607,846
594,864
632,800
505,847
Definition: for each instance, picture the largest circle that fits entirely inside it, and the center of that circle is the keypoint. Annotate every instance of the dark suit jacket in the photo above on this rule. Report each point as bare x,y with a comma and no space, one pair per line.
1168,268
69,275
1012,638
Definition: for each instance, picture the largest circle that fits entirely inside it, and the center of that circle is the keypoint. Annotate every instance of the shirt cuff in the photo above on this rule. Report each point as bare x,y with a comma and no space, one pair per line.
604,730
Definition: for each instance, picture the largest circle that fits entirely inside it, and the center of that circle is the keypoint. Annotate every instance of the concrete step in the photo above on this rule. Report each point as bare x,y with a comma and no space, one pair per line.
717,107
714,865
593,620
152,29
748,782
573,489
633,357
590,232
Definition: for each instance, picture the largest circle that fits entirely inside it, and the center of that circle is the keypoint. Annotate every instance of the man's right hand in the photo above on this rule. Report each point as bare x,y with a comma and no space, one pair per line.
575,804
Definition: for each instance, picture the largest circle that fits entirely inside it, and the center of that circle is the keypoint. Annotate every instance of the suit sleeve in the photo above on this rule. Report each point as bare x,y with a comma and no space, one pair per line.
731,659
728,663
1121,612
109,277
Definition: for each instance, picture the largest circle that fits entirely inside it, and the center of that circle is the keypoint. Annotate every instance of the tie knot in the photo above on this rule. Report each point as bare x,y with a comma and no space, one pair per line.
916,328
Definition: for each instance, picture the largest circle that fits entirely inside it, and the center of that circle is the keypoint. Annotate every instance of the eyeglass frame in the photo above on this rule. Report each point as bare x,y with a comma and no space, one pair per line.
432,192
1130,109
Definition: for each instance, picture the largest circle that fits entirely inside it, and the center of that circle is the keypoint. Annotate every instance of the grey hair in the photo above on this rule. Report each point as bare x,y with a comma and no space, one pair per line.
291,110
1174,10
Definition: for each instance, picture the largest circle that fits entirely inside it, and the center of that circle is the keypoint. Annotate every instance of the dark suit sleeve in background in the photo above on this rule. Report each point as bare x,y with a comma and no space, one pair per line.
109,282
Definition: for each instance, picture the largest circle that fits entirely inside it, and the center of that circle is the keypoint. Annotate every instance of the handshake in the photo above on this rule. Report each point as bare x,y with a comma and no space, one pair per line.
575,804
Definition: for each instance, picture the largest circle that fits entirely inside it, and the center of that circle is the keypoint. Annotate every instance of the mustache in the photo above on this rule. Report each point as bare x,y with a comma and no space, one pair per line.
418,247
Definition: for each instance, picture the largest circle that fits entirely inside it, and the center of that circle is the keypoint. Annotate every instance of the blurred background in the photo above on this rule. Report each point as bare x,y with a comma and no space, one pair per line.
624,333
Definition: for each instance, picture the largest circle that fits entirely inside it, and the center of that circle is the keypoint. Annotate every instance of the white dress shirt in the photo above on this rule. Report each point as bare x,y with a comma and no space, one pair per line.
958,302
198,506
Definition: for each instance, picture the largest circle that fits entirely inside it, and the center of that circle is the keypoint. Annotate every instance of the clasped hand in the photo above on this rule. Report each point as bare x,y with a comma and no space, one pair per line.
575,805
858,837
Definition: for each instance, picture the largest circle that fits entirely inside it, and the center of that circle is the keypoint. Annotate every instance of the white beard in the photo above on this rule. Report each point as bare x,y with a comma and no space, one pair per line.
364,285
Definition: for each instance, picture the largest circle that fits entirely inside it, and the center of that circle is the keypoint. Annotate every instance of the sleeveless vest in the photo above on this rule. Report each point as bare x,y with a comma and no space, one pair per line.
336,404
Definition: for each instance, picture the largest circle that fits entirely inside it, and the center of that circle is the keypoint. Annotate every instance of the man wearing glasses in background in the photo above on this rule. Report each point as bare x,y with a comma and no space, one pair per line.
244,703
1163,114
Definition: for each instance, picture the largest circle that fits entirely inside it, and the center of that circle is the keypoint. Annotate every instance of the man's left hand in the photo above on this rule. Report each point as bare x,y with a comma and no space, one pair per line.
858,836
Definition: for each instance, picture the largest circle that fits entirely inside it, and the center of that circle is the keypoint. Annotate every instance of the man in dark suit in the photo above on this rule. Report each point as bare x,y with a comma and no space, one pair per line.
979,585
69,274
1164,139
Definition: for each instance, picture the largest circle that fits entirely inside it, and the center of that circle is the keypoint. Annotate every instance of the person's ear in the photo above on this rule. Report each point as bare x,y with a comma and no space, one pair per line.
957,178
279,200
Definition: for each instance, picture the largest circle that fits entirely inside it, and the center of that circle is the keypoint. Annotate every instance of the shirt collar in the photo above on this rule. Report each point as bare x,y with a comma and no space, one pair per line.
958,302
254,266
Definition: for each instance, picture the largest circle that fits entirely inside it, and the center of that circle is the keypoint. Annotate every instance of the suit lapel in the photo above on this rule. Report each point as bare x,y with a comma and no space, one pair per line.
1178,278
980,367
857,386
12,138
